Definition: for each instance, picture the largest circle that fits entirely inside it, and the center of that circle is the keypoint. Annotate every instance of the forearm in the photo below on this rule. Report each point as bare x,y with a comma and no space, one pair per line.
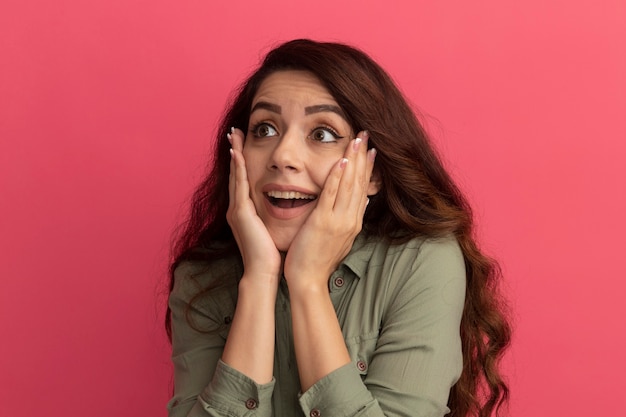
250,344
319,344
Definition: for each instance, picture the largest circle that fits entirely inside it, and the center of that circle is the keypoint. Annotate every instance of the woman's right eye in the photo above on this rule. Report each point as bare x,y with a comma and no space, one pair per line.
264,130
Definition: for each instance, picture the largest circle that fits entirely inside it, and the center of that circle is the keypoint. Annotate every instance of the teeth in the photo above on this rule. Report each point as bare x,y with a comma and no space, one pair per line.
290,195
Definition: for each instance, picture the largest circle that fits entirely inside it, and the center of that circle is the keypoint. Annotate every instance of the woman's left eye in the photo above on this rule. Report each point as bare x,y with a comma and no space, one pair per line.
324,134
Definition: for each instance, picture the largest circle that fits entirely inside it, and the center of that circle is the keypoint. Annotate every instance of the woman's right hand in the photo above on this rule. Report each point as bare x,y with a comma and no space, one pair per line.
261,259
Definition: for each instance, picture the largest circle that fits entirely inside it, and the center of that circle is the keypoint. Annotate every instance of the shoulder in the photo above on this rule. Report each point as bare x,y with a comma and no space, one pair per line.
416,268
431,255
429,262
203,298
215,277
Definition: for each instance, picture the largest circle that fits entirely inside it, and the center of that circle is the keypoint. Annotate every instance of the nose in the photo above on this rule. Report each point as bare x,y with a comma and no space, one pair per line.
287,154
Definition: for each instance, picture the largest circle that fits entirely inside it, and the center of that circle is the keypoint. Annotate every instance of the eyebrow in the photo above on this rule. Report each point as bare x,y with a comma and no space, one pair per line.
274,108
324,108
320,108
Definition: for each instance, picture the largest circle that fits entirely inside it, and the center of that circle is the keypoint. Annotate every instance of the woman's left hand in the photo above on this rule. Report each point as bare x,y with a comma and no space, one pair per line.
329,232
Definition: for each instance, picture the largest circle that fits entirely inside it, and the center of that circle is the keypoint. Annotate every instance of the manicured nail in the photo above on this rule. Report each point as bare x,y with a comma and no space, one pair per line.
367,202
343,163
357,141
372,154
230,138
232,154
365,134
232,129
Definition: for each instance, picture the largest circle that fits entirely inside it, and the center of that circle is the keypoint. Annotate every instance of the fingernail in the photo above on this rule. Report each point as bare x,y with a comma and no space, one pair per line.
230,138
367,202
232,154
232,129
343,162
372,154
357,141
365,134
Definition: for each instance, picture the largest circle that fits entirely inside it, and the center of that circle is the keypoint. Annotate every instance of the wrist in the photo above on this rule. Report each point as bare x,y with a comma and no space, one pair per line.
307,288
259,282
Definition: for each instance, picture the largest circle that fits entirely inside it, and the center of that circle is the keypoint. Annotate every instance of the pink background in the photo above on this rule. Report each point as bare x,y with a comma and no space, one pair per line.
106,113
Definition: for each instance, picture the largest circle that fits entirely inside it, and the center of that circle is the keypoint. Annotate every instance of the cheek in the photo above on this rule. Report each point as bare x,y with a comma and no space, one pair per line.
254,163
246,153
322,168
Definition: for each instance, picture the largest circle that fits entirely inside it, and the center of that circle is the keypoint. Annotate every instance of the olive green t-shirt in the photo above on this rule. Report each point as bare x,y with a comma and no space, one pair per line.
399,307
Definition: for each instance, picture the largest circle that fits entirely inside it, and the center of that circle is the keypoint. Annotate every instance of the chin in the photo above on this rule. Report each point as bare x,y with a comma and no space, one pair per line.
282,246
282,241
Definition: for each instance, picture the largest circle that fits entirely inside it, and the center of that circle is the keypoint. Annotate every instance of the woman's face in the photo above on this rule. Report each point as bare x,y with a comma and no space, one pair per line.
297,133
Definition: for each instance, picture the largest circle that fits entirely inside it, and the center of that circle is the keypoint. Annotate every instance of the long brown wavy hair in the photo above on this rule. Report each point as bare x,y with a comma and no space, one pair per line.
417,198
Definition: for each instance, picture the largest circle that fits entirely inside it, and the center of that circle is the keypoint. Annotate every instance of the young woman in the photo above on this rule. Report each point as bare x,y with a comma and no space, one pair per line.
328,267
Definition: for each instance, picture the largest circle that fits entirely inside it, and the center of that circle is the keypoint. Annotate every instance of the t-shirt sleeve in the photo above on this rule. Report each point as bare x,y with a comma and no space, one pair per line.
203,384
417,356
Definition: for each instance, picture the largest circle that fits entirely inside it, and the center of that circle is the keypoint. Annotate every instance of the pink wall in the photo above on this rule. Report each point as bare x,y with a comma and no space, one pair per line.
106,110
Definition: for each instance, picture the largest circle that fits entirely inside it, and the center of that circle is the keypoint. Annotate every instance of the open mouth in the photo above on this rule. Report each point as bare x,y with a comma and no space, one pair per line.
289,199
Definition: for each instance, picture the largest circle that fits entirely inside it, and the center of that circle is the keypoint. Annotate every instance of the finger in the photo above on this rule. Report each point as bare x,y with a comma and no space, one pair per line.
236,138
371,157
231,179
326,200
353,186
241,185
238,187
362,174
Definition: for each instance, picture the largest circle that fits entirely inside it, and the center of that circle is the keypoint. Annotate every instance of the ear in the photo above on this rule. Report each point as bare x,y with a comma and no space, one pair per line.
375,184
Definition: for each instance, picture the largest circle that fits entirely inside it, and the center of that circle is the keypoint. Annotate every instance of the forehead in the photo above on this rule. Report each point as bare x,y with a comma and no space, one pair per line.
293,87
